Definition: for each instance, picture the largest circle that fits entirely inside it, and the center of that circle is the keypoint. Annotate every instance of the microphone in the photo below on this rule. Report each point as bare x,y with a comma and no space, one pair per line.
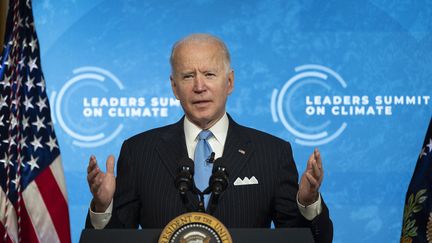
218,183
219,178
184,179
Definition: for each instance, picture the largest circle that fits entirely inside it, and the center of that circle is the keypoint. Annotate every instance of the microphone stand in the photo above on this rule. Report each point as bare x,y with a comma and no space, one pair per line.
201,207
217,184
213,202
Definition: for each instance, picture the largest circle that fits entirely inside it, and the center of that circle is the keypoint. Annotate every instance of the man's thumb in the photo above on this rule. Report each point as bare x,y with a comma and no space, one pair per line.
110,164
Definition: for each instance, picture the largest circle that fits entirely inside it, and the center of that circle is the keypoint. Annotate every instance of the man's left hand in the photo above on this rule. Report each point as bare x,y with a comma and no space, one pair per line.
311,180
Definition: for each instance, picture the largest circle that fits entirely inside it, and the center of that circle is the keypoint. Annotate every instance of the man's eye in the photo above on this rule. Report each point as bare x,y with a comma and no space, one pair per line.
189,76
210,75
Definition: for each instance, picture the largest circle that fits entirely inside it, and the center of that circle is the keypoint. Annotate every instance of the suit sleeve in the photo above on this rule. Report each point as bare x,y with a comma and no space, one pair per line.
286,212
126,206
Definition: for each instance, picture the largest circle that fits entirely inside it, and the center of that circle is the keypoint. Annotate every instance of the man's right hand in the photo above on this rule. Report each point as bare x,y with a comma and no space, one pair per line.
102,185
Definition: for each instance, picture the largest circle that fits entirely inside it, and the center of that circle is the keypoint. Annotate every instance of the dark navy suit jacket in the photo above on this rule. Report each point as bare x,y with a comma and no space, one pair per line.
148,163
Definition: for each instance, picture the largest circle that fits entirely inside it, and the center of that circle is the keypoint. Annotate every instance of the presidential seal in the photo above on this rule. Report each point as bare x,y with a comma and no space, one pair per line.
195,228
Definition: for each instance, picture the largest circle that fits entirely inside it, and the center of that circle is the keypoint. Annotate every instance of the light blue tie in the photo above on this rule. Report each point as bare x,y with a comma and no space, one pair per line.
203,169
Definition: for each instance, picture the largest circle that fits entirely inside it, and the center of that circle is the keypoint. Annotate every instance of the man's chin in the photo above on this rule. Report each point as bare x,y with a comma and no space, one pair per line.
203,121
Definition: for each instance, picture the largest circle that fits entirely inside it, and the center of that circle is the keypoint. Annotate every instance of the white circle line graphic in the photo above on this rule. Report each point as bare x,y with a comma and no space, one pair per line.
322,68
280,105
102,71
100,142
290,113
273,105
323,141
53,97
59,101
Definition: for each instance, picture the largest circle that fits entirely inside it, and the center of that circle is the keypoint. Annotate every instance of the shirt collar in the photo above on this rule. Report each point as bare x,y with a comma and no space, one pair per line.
219,130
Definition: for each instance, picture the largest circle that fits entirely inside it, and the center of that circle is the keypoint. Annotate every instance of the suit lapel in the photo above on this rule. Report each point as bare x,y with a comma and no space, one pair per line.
236,153
237,150
172,149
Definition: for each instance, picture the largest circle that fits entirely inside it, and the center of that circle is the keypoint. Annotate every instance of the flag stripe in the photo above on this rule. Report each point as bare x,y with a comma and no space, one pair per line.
57,170
55,202
11,219
38,214
28,232
2,232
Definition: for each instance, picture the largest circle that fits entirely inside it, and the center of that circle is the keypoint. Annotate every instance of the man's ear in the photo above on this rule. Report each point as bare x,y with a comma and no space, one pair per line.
174,86
230,81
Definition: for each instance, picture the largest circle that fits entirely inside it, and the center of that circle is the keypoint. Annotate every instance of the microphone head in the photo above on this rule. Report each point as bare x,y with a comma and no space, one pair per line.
218,164
184,179
219,179
187,164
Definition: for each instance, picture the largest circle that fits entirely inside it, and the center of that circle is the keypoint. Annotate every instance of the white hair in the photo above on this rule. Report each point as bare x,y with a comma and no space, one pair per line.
202,38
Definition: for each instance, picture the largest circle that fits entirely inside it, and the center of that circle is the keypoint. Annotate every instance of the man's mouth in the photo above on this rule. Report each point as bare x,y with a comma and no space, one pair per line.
197,102
201,103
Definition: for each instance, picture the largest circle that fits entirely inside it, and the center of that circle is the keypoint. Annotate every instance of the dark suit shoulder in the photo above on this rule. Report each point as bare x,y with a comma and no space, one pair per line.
155,134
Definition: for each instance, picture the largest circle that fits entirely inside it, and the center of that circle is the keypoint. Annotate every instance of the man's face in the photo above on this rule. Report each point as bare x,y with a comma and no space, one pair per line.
201,82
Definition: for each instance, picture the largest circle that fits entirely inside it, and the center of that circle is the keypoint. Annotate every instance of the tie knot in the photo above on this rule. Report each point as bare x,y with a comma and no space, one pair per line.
204,134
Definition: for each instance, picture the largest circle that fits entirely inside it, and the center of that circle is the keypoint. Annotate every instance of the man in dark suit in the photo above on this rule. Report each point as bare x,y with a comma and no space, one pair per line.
263,179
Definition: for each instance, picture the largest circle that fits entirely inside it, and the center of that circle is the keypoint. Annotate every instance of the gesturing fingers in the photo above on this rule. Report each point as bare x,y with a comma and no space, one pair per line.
92,164
316,171
92,169
96,183
317,156
110,164
309,162
94,175
313,182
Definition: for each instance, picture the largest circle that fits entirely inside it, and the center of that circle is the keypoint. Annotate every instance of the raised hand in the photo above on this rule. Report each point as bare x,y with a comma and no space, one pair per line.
102,185
311,179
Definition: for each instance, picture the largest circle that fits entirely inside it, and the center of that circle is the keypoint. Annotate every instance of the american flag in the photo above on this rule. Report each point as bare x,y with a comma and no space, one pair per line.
33,199
417,217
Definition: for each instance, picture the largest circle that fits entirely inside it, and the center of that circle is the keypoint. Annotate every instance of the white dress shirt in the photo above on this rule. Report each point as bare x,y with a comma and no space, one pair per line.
217,142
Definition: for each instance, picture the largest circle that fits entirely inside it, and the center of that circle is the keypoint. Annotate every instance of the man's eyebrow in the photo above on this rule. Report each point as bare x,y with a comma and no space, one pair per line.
208,70
186,72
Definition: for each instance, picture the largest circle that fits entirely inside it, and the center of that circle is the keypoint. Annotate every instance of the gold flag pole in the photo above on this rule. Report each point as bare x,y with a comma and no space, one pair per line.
4,6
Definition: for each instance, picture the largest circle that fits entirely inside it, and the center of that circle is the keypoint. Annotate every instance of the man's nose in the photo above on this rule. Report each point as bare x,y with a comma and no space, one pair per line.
199,83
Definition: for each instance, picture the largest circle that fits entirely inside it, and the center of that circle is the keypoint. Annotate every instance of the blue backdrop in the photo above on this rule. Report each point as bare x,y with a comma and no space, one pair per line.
350,77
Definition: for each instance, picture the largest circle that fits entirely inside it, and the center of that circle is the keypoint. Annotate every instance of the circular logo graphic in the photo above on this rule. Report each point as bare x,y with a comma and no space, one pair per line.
93,106
287,109
195,228
84,78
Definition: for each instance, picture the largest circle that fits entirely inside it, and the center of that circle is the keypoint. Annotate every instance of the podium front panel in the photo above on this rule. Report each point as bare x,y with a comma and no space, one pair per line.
254,235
